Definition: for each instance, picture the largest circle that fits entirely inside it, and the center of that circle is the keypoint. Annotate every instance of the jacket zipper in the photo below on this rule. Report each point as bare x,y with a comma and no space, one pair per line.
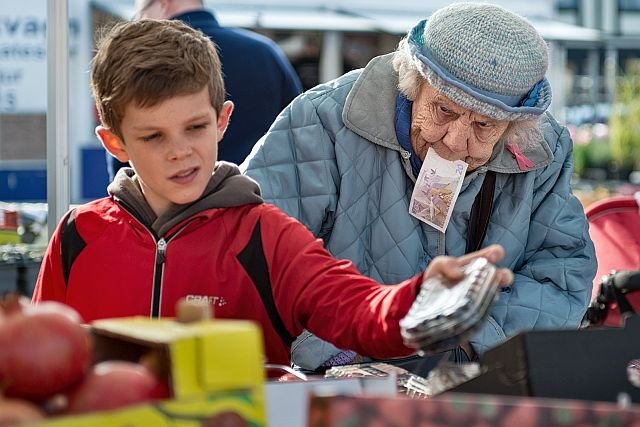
161,249
158,272
406,164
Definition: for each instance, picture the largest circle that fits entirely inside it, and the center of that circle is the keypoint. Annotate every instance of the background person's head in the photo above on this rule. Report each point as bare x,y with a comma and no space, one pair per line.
159,92
476,75
164,9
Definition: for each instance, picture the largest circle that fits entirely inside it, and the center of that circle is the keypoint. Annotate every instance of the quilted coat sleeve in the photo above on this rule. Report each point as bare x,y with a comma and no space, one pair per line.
553,281
295,164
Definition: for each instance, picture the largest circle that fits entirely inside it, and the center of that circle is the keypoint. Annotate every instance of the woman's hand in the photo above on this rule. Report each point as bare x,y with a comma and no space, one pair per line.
452,267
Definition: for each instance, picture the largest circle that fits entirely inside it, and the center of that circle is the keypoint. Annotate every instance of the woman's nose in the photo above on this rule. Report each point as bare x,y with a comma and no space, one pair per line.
458,135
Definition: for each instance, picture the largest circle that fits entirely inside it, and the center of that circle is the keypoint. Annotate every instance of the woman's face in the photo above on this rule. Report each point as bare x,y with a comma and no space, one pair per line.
454,132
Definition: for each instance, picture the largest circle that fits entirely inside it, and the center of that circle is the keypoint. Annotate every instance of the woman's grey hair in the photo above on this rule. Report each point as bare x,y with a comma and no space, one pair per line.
524,132
409,78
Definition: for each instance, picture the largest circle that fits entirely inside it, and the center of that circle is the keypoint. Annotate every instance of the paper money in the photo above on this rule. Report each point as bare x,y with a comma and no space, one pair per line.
436,190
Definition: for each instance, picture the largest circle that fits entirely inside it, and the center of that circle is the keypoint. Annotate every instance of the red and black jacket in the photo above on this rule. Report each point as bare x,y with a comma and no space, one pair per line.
249,261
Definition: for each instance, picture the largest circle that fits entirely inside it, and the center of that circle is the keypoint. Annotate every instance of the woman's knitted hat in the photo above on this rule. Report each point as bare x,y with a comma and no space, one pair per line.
484,58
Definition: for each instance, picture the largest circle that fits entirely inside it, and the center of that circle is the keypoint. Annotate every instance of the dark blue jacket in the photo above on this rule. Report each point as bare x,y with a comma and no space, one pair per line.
258,79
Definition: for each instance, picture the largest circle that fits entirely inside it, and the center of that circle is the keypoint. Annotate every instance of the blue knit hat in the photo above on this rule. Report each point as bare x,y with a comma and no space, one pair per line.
484,58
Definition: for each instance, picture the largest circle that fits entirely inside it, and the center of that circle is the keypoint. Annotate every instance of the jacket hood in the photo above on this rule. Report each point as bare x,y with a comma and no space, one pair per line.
226,188
369,111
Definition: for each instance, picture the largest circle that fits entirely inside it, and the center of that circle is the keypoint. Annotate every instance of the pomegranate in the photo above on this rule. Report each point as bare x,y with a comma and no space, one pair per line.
44,351
14,412
52,307
114,384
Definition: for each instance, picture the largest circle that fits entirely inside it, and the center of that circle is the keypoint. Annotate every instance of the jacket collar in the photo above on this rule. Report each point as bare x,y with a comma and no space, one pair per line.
200,18
226,188
370,107
369,111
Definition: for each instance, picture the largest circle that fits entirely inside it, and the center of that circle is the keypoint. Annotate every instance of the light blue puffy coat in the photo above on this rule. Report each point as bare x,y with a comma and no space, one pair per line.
332,160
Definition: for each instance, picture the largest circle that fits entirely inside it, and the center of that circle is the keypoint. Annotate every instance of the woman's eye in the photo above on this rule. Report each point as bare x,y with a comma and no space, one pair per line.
484,125
445,110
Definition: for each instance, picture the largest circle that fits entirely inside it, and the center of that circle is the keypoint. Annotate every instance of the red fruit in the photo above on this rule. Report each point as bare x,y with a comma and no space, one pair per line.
43,352
14,412
115,384
52,307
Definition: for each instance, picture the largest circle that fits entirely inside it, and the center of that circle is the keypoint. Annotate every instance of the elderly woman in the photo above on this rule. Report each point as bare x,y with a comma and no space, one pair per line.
470,84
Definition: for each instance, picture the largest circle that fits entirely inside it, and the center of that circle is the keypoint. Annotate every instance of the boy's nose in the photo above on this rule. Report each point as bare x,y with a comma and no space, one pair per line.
458,135
179,149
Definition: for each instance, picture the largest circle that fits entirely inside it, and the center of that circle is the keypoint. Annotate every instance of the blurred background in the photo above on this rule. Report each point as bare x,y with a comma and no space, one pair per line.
594,72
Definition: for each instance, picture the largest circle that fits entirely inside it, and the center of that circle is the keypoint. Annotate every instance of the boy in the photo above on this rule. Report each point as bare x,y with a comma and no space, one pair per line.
178,224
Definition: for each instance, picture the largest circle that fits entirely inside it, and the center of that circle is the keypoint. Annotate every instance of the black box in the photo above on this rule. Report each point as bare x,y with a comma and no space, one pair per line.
586,364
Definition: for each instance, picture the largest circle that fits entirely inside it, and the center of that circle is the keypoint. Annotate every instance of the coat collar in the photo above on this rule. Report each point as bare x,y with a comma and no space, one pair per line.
370,107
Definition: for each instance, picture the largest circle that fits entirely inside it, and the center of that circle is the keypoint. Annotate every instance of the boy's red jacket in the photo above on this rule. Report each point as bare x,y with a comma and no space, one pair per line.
248,259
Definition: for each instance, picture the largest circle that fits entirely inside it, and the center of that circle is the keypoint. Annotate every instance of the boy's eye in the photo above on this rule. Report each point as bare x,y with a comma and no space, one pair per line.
199,126
150,137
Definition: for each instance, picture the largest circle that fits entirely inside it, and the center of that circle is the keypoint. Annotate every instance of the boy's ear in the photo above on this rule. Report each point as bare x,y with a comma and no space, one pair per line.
223,118
112,143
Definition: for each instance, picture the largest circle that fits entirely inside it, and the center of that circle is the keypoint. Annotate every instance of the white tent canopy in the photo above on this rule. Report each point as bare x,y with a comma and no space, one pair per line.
356,15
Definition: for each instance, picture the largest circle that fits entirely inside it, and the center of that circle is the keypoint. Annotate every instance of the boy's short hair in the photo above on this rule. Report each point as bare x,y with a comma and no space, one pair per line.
149,61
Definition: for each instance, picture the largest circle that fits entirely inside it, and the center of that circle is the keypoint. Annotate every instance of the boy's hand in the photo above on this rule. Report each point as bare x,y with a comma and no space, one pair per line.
444,315
451,267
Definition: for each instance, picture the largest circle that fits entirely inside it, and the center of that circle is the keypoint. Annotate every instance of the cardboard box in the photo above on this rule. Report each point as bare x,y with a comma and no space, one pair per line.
287,403
214,369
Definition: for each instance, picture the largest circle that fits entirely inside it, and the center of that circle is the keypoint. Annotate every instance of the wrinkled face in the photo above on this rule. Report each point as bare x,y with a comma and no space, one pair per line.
173,147
454,132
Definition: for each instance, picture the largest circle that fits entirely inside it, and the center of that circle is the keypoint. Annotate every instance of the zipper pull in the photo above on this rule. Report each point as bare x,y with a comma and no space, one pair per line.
162,248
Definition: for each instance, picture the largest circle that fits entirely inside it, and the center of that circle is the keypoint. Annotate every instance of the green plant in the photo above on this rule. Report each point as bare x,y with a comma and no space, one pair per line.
599,154
624,121
596,154
580,163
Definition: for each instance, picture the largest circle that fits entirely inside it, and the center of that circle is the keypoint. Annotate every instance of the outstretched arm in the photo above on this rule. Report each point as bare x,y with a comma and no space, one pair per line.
333,300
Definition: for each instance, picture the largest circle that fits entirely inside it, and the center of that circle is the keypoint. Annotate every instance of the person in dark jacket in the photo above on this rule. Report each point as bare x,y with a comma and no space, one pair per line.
258,76
180,224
